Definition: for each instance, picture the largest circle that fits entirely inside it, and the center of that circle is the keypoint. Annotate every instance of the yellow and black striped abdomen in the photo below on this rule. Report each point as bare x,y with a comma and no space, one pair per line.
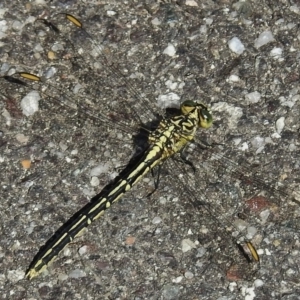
93,210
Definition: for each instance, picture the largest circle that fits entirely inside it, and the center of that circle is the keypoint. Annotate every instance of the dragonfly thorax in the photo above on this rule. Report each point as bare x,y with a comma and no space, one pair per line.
199,110
174,133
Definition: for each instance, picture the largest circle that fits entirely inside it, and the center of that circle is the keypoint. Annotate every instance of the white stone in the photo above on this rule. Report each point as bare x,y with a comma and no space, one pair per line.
209,21
249,293
280,124
191,3
3,11
30,103
236,46
268,252
258,283
168,100
156,22
295,9
178,279
95,181
188,275
264,215
82,250
264,38
187,245
170,50
171,85
253,97
276,52
156,220
3,26
111,13
233,78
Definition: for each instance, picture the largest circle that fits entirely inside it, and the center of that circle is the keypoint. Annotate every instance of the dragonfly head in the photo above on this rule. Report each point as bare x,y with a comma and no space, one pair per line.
204,114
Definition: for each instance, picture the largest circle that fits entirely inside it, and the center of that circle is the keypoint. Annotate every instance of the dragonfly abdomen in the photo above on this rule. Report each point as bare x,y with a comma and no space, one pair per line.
92,211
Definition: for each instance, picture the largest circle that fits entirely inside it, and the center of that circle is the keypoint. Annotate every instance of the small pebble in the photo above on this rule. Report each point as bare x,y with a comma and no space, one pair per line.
236,46
95,181
191,3
77,273
295,9
50,72
26,163
249,293
276,53
257,204
253,97
178,279
268,252
187,245
156,220
234,78
111,13
168,100
280,125
30,103
263,39
156,22
130,240
21,138
258,283
17,25
201,252
188,275
264,215
82,250
3,28
170,50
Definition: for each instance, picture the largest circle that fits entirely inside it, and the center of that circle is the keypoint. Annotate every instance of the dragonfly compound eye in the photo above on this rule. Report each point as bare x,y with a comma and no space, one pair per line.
205,117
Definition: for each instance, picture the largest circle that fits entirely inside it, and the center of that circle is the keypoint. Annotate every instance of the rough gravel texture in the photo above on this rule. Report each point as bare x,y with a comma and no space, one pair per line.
164,246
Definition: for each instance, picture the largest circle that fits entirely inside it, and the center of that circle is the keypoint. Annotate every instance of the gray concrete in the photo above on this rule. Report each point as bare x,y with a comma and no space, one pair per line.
163,246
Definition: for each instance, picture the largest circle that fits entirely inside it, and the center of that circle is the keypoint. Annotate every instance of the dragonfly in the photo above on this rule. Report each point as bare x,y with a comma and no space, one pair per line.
171,136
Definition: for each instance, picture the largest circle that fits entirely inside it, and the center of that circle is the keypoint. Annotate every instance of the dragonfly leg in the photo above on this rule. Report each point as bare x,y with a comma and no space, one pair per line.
156,180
